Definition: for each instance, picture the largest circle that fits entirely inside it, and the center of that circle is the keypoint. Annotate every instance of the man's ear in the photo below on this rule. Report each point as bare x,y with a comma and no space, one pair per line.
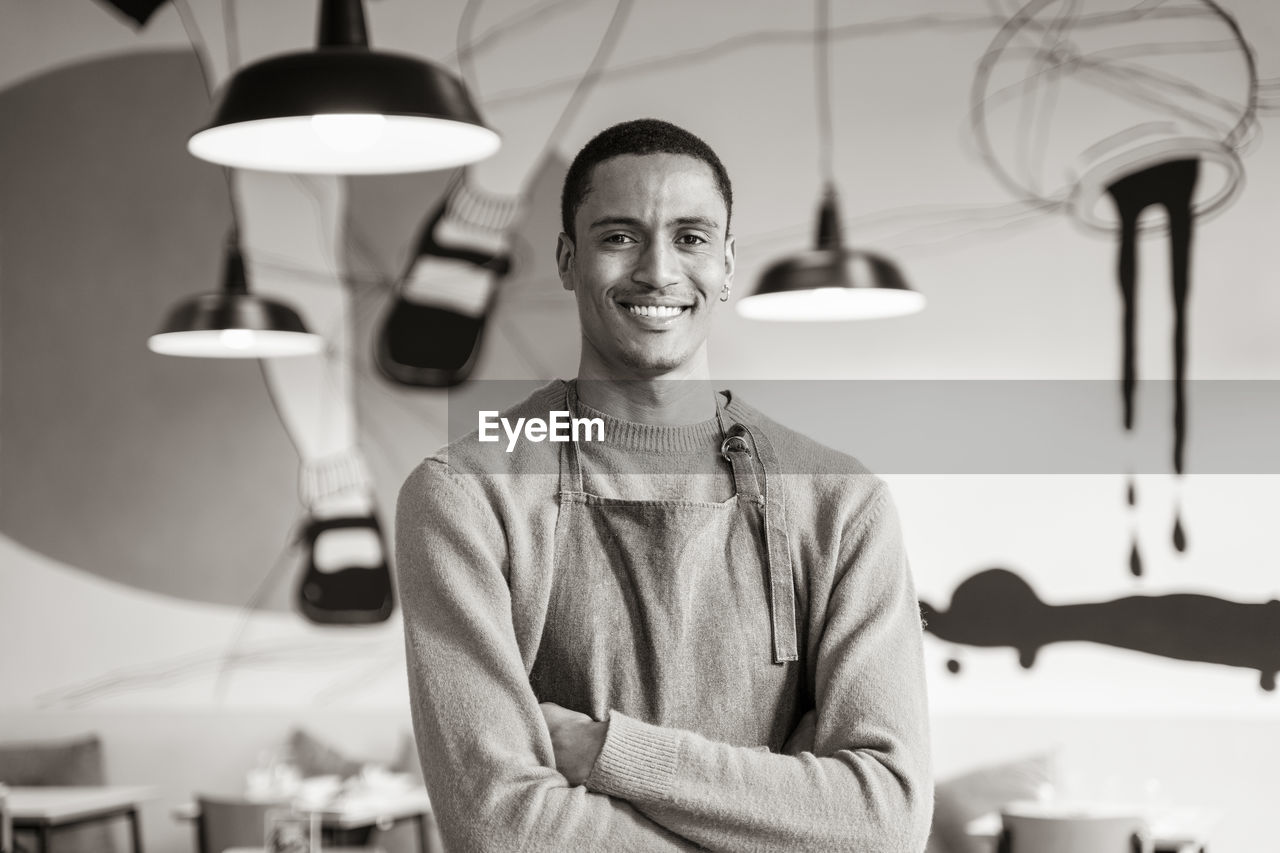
730,259
564,260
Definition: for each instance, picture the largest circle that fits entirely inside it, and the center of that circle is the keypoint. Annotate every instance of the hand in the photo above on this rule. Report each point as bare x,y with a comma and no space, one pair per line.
801,740
576,740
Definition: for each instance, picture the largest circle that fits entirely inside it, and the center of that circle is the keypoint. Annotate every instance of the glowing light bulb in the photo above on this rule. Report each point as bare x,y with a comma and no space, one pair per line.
238,339
349,133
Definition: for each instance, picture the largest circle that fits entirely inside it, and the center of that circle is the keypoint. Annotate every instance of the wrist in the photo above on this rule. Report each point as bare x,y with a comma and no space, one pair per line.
636,762
596,733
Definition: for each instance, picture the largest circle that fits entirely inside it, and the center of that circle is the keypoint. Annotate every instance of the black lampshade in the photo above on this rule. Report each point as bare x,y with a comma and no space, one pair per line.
344,109
831,282
234,323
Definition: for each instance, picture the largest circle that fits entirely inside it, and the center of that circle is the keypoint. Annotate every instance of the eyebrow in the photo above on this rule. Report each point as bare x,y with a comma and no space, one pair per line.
632,222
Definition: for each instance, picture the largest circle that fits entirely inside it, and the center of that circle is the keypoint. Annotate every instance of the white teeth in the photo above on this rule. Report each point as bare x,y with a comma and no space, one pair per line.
655,310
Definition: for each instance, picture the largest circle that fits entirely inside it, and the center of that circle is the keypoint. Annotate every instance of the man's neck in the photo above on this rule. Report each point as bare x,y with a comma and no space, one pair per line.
679,397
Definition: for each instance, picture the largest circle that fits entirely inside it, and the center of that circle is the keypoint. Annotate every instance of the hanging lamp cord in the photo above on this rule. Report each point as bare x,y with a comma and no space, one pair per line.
822,78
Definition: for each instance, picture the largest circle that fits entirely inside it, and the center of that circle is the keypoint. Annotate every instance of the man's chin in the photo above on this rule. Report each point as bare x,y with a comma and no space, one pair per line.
652,363
627,356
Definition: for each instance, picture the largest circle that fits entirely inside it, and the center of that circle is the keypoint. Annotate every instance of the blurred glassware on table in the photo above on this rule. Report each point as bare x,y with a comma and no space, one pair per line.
6,824
273,778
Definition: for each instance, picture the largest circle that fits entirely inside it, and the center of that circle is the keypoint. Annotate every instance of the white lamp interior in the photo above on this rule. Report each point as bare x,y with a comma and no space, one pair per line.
831,303
235,343
349,133
345,144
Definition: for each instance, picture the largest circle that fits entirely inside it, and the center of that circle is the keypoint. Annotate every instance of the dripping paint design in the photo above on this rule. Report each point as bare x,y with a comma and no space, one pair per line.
996,607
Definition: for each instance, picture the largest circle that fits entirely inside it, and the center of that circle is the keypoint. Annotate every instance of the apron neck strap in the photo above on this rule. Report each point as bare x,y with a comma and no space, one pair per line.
570,465
782,601
736,448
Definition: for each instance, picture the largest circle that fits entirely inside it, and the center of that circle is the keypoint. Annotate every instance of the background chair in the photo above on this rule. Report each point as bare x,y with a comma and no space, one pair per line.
1024,833
63,761
226,822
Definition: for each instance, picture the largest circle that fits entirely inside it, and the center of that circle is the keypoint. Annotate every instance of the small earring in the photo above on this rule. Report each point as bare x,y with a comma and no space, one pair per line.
724,293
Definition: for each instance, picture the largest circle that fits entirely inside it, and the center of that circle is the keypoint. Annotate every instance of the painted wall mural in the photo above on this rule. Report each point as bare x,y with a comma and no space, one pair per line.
1168,86
997,607
261,494
139,11
165,475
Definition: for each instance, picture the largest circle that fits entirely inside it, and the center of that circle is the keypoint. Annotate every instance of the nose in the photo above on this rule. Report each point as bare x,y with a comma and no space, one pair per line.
658,265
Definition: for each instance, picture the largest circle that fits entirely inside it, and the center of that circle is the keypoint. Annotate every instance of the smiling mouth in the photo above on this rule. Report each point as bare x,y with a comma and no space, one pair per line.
656,311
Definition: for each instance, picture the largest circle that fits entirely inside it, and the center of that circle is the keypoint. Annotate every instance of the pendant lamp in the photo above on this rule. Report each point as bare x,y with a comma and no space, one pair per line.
343,109
830,282
234,323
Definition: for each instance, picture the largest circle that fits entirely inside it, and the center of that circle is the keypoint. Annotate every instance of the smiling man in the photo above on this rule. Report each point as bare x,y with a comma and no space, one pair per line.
698,633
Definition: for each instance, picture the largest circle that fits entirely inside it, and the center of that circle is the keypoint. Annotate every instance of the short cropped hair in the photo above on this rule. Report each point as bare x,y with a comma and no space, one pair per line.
639,136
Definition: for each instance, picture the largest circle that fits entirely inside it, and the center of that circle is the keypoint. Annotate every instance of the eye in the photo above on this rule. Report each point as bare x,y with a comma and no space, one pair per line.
618,239
691,239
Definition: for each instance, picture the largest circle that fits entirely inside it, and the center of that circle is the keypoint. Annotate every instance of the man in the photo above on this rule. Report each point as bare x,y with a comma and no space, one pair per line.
679,637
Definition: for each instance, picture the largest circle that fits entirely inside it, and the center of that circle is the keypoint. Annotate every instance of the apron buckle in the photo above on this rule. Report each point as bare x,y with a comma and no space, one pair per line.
734,444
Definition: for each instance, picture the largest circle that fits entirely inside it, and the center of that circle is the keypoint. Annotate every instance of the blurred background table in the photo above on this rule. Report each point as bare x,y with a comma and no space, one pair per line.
47,809
1172,830
349,819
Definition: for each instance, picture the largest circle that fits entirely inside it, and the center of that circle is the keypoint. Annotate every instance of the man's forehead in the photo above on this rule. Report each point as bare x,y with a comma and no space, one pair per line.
635,184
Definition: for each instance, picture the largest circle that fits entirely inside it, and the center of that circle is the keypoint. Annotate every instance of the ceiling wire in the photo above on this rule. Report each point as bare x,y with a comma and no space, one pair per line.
467,44
744,41
516,23
201,50
594,71
245,612
198,44
822,79
465,47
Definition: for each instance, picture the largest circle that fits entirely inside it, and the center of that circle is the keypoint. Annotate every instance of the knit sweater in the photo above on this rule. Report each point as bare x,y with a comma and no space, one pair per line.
475,529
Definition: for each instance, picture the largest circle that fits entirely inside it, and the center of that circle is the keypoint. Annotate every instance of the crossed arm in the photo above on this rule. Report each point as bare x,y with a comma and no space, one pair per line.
858,779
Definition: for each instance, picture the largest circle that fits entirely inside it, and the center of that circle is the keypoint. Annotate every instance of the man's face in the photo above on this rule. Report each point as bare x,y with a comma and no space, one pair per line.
650,258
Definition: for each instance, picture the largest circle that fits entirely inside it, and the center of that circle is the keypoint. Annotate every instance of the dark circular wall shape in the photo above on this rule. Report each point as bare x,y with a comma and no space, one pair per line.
170,475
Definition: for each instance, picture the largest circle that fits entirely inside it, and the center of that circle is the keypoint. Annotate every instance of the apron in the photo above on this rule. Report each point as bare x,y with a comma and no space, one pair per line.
679,613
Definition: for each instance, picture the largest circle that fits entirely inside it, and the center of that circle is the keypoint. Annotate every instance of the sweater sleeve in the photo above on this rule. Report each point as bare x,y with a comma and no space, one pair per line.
486,754
860,778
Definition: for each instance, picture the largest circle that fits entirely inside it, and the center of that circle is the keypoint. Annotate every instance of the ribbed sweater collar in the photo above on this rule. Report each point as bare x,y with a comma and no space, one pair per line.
651,438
